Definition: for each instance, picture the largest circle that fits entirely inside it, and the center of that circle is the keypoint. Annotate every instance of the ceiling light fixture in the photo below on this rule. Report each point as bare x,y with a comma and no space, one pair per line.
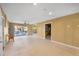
34,4
50,13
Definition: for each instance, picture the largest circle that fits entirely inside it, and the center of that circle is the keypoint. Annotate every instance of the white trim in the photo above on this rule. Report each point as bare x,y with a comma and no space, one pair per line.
67,45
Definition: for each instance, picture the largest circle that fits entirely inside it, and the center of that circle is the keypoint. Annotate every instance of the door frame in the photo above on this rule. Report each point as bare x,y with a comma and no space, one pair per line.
50,31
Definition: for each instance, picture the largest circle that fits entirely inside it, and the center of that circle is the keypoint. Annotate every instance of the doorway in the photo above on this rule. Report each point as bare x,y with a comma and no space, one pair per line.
48,31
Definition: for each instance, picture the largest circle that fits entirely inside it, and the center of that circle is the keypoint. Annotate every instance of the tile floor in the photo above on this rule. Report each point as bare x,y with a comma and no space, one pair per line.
35,46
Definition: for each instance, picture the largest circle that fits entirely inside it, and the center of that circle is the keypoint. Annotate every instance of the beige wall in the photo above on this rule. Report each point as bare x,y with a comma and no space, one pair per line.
64,29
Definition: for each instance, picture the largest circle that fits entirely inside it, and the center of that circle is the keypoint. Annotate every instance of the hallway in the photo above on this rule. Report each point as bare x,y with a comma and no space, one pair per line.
35,46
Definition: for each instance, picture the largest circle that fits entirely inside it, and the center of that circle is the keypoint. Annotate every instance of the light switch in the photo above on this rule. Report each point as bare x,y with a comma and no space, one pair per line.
68,26
77,25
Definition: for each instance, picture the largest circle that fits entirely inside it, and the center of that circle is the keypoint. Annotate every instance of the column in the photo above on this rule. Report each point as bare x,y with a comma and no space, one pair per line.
29,29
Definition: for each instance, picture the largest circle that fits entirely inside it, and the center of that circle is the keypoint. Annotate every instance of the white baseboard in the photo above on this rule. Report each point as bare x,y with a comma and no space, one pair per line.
64,44
67,45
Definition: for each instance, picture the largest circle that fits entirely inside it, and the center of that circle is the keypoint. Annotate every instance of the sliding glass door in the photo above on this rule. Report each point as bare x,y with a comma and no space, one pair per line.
1,37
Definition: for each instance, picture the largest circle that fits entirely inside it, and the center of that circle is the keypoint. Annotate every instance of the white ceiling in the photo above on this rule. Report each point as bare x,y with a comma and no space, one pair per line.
21,12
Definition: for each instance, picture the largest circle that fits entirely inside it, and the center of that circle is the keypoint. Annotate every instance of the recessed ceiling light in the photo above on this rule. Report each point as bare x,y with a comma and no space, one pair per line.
34,4
50,13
